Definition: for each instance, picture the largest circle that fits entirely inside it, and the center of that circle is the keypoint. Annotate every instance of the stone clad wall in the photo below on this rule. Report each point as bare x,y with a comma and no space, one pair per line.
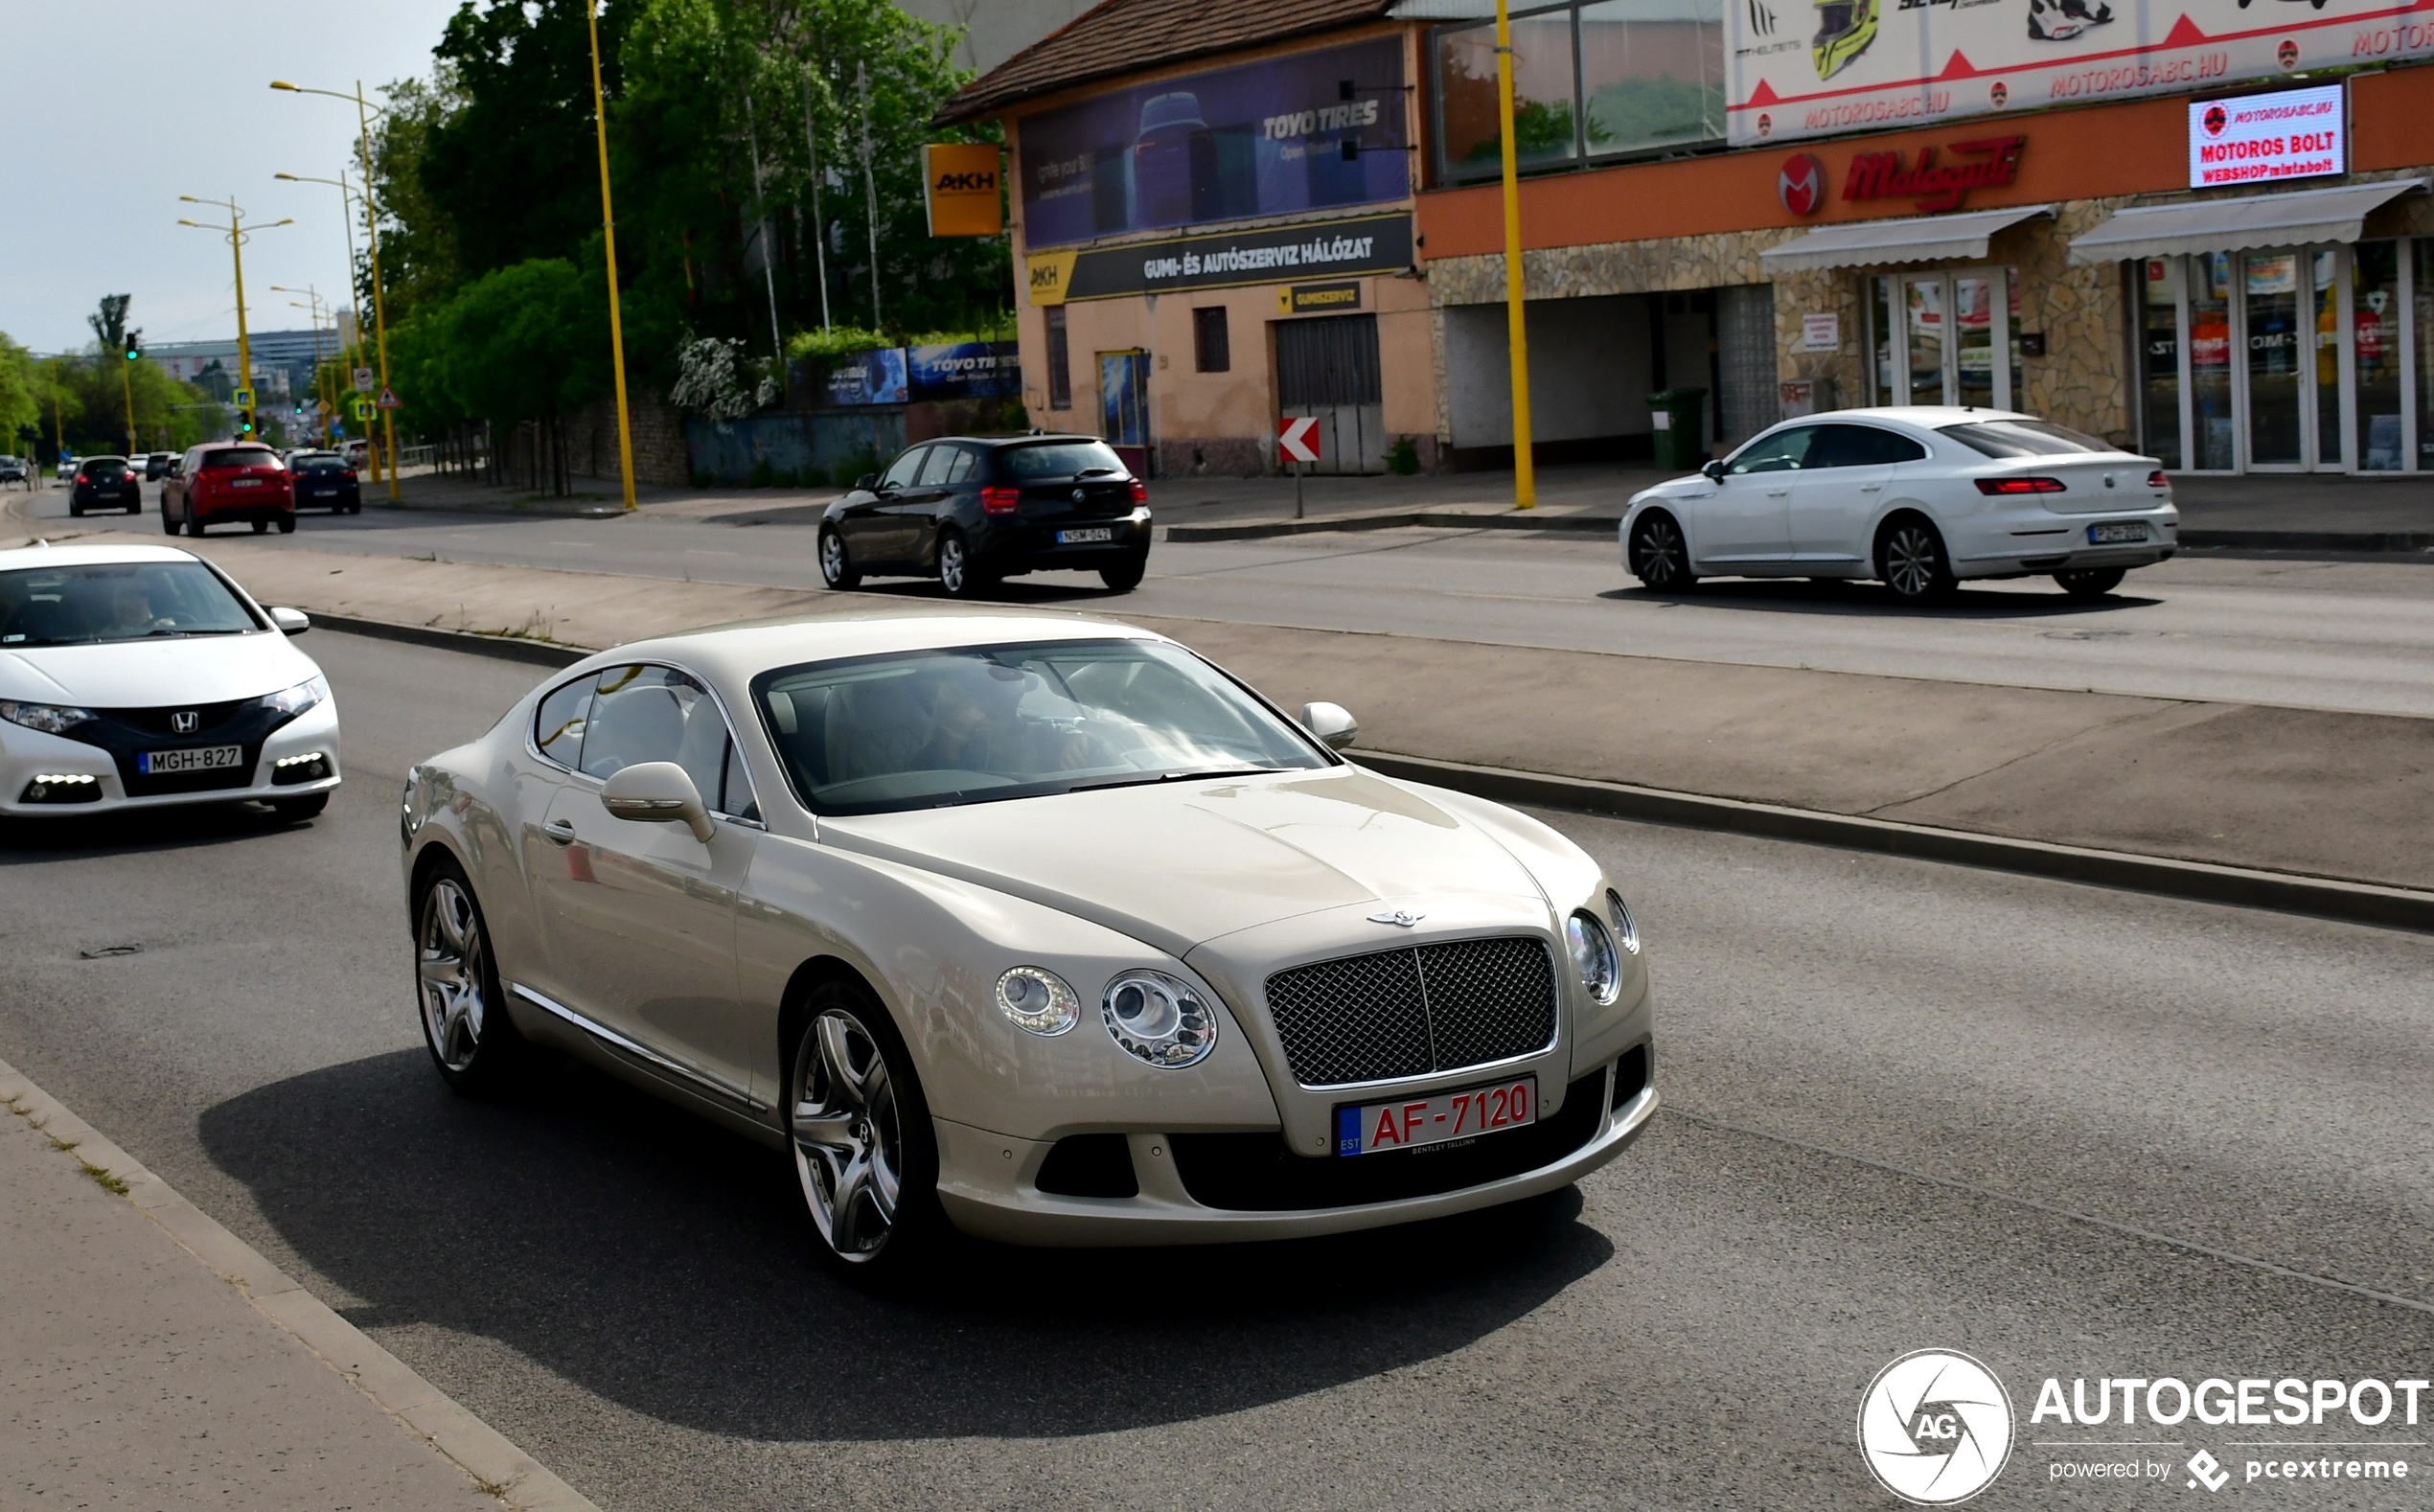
2083,380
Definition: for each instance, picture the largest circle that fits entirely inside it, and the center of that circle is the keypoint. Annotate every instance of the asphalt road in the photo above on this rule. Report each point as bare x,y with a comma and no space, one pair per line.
1907,1106
2353,635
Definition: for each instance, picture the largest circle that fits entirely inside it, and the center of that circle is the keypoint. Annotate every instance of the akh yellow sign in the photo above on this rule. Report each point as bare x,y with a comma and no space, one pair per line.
964,179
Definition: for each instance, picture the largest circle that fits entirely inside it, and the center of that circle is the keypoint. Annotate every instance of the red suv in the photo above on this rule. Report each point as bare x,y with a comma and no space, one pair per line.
221,482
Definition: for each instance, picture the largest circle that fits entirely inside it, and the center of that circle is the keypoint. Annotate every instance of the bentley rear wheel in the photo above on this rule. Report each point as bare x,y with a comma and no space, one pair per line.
860,1128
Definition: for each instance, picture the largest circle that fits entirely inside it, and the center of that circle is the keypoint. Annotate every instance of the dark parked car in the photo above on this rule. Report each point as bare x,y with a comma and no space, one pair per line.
325,480
106,483
971,511
224,481
16,470
156,464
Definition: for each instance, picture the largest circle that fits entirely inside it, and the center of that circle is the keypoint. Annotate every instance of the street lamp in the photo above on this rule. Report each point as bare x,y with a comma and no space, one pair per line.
345,204
609,226
236,232
320,376
364,111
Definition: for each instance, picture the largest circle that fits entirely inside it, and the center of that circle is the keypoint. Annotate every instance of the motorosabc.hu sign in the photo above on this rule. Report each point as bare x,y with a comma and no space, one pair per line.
2290,134
1268,255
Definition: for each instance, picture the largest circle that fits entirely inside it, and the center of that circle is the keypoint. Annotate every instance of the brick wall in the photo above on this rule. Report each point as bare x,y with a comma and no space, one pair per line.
590,438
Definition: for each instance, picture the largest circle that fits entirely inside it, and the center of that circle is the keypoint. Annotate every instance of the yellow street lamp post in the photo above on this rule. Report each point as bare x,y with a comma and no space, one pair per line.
320,372
127,386
1516,329
346,218
609,227
364,114
236,232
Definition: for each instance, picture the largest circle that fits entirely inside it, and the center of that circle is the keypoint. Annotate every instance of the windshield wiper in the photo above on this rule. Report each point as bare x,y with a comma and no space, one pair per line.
1147,778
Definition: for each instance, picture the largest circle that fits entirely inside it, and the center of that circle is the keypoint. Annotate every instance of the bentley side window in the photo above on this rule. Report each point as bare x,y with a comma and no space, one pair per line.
558,727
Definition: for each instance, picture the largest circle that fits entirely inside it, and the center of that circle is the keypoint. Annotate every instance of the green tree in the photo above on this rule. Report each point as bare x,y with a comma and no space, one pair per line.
20,395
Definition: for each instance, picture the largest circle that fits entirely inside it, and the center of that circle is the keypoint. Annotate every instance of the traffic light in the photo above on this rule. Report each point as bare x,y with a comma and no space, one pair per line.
245,423
133,351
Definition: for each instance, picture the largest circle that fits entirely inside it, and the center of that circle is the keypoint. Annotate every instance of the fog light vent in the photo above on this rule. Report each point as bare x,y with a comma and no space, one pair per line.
1631,1074
1090,1166
62,787
289,770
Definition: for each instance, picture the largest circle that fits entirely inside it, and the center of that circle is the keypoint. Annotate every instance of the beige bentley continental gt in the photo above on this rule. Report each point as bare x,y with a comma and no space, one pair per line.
1033,926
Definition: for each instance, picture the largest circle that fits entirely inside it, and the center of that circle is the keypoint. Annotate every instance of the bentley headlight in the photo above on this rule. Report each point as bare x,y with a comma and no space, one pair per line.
1592,955
1158,1019
51,718
292,702
1038,1000
1626,932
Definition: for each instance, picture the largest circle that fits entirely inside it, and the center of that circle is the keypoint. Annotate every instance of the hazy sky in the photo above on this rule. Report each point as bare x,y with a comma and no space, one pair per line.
110,109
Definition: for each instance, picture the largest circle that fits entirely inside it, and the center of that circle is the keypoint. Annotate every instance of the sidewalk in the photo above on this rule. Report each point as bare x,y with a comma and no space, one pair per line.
2287,511
139,1378
2339,796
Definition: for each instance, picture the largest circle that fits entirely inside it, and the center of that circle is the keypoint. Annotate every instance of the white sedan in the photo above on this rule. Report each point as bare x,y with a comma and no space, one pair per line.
1914,497
139,676
1038,928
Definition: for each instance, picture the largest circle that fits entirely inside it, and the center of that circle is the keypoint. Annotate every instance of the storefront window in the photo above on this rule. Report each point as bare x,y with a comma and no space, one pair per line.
1543,85
1973,297
1880,331
1922,299
2374,333
2324,293
2272,288
1651,74
2422,296
2159,358
2212,425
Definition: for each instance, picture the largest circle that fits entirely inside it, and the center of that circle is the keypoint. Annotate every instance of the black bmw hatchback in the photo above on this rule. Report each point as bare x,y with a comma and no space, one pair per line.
971,511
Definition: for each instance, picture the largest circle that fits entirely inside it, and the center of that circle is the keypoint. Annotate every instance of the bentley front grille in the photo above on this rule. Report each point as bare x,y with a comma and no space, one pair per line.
1416,1011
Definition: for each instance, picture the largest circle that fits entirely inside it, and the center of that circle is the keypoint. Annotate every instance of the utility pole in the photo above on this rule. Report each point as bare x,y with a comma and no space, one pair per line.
870,191
379,308
608,232
236,232
1516,325
819,226
768,253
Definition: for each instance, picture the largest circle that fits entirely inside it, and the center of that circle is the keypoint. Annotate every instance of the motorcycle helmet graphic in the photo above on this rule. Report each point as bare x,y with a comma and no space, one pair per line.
2061,20
1844,30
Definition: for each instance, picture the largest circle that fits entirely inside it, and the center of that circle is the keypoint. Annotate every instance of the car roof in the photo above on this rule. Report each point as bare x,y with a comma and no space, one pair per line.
739,651
1012,441
1934,417
88,556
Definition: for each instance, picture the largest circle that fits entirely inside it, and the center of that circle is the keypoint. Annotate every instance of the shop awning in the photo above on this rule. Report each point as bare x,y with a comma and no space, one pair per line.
2228,225
1867,243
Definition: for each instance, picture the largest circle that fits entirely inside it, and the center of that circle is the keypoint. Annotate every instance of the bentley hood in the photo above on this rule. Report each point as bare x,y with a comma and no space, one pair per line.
150,674
1182,864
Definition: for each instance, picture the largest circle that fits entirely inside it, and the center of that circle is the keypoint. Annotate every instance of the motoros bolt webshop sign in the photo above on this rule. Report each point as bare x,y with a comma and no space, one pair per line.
1268,255
2289,133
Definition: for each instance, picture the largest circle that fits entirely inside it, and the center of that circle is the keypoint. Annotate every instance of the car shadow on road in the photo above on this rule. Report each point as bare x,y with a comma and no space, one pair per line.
1831,596
668,1265
74,836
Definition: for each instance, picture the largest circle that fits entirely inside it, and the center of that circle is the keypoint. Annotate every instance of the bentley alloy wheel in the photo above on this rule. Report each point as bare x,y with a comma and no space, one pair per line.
849,1142
452,976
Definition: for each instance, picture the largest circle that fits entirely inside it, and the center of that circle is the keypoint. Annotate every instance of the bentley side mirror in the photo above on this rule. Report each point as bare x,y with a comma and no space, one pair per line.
290,621
1714,470
1332,723
656,792
867,482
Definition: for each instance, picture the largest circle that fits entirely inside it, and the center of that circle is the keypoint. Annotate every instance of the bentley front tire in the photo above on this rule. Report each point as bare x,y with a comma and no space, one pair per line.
865,1150
465,1024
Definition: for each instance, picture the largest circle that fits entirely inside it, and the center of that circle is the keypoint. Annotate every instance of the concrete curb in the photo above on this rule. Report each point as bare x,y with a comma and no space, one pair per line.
1439,520
496,1466
2203,881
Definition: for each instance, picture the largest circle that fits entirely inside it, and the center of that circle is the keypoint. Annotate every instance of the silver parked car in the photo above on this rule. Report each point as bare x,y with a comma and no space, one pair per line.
1040,927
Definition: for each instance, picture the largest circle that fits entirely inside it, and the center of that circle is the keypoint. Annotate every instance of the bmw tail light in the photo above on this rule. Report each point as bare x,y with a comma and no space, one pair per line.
2021,486
994,500
1140,492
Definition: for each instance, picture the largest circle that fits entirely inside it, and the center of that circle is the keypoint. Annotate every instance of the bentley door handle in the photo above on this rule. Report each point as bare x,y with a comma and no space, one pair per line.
560,832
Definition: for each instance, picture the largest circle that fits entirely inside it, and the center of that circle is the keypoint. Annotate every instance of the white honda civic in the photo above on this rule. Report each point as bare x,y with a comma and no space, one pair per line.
1918,498
137,676
1043,927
